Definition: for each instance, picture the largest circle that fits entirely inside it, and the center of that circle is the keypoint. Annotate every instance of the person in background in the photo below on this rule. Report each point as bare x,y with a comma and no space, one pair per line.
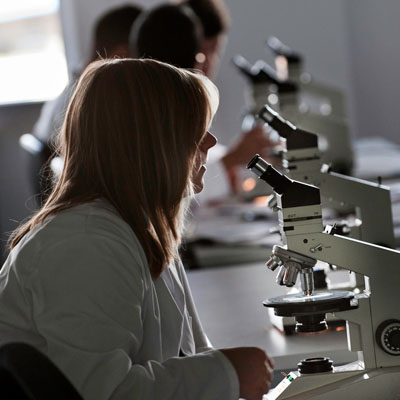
215,20
94,279
174,33
170,33
110,39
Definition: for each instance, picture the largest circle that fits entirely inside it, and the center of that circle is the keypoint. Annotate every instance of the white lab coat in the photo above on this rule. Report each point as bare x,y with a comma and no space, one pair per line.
78,288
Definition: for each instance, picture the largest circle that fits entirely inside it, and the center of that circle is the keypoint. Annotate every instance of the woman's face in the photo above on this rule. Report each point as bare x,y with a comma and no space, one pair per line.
208,141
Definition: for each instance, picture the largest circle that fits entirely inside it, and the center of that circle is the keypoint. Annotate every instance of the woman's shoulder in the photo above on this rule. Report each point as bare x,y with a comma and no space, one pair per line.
93,231
94,218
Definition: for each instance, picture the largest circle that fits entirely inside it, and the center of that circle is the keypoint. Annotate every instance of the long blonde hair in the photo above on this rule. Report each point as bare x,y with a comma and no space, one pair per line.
130,136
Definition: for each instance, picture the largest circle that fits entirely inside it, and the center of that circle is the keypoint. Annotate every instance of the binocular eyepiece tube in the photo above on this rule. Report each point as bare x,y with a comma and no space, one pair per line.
269,174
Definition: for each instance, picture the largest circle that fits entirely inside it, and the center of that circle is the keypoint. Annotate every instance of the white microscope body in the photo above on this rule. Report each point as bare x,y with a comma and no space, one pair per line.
373,316
301,161
334,142
321,98
284,96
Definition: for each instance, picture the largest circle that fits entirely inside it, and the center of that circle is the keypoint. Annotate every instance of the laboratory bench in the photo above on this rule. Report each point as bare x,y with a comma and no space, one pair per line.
236,240
229,302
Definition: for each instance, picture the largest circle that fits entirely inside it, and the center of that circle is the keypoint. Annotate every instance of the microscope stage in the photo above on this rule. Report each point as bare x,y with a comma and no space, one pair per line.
323,301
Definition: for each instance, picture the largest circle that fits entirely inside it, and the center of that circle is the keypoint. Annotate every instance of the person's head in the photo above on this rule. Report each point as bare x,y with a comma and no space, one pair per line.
111,32
169,33
215,20
135,134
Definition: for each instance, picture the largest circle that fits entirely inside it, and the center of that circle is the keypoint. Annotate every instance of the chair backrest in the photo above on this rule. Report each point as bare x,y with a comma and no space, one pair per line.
39,171
27,374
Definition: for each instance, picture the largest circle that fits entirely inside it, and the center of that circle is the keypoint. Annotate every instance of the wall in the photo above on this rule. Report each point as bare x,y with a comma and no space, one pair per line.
316,28
374,51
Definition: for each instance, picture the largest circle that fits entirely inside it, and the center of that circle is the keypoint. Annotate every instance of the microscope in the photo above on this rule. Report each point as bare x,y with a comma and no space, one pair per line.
323,99
302,162
334,137
372,317
265,87
285,97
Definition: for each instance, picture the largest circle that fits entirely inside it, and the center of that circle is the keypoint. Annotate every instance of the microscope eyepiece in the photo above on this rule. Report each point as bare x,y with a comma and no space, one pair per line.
295,138
253,162
281,49
243,65
267,114
273,119
269,174
260,72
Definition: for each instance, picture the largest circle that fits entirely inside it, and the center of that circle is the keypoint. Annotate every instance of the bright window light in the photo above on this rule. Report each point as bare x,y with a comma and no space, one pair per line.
32,58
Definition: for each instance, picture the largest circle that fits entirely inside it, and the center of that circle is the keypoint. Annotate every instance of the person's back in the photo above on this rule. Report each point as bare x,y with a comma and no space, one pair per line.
110,39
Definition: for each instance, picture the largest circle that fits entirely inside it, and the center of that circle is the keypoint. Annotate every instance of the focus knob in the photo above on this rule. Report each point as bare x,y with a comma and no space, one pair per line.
388,336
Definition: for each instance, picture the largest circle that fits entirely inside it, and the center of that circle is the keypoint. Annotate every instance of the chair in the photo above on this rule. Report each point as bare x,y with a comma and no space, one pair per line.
40,174
27,374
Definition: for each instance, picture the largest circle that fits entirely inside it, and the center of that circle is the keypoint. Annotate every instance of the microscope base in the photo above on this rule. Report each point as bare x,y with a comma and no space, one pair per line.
356,384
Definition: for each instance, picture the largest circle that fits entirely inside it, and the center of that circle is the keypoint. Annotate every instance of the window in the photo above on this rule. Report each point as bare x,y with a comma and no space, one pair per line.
32,58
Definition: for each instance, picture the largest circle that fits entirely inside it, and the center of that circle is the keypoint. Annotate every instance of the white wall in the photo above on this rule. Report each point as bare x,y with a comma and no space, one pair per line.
316,28
374,51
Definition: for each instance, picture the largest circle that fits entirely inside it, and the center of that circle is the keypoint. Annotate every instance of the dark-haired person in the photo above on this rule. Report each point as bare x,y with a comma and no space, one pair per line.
176,34
94,279
215,20
169,33
110,39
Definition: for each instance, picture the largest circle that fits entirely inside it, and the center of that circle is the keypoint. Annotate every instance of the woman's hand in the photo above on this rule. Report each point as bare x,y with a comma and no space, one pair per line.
250,143
254,369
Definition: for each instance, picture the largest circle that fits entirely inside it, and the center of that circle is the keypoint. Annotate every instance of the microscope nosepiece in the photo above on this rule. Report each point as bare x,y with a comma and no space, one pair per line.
291,273
280,276
273,263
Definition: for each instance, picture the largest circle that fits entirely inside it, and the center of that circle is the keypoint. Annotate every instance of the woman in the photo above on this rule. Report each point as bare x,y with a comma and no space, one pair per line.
192,34
94,278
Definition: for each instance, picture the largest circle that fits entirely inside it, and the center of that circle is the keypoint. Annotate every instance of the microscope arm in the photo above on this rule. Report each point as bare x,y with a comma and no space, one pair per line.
382,267
372,202
355,255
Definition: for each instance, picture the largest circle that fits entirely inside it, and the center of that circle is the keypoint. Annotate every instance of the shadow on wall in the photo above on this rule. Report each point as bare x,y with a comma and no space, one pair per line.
16,197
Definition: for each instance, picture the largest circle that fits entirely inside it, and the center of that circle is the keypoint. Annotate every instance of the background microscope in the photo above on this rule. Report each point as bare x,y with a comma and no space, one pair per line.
373,318
285,96
321,98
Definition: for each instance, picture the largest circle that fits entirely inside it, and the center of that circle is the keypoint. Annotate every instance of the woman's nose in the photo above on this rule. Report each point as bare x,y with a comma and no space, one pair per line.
209,141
